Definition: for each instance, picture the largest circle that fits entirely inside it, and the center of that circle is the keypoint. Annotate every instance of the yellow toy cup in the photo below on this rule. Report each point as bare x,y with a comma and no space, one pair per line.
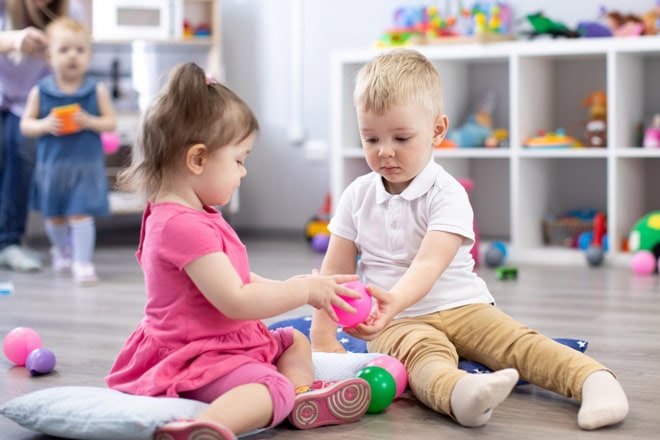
66,114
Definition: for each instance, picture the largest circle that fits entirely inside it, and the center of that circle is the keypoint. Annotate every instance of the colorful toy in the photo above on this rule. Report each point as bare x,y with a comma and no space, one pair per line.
652,133
478,127
319,223
362,306
496,254
557,139
383,387
40,361
395,368
111,142
645,240
543,25
320,242
506,273
66,115
19,343
595,253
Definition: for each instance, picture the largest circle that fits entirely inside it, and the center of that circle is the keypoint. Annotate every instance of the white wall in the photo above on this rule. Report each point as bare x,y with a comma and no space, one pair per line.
283,189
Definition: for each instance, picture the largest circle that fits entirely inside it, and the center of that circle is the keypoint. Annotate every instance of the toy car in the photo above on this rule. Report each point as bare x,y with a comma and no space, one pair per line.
506,273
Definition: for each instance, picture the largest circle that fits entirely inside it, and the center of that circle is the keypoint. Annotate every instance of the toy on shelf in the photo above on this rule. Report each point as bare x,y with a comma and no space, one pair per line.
567,229
652,133
596,127
478,128
556,139
417,25
542,25
644,243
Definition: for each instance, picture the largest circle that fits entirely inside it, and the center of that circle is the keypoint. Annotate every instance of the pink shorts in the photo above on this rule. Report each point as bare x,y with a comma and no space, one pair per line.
280,387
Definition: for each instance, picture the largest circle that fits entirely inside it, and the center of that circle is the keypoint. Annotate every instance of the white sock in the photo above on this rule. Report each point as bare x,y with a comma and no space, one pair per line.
604,402
476,395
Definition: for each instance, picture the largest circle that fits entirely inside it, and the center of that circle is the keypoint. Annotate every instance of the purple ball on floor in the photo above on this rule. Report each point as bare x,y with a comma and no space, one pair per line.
320,242
40,361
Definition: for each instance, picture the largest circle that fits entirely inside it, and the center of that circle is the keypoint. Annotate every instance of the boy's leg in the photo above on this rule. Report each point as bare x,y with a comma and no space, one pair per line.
485,334
432,364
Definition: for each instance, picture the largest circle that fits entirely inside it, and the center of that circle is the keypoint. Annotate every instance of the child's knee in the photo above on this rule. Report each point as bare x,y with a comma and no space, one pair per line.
282,393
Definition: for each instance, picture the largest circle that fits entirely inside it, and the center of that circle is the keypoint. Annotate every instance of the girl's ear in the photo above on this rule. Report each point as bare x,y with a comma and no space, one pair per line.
440,126
196,157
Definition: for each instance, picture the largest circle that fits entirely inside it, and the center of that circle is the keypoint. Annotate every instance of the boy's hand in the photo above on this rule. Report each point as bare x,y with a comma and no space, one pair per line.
381,315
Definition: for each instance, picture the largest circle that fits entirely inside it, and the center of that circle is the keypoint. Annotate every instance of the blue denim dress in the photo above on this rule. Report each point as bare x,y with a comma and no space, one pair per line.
69,176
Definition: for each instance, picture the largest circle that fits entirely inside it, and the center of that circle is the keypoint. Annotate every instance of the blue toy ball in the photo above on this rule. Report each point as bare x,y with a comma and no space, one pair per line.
495,254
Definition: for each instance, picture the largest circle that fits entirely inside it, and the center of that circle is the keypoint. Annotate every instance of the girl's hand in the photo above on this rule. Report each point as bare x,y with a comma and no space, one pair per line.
51,125
381,315
83,119
324,291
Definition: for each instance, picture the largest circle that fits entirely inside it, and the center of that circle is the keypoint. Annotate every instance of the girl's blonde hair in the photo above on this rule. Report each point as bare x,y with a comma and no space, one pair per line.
67,23
190,109
24,13
398,77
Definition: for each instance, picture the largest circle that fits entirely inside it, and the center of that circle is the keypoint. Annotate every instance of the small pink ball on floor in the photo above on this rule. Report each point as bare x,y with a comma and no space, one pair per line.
395,368
643,263
19,343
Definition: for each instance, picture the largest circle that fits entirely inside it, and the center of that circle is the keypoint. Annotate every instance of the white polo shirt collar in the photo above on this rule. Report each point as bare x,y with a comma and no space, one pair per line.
419,186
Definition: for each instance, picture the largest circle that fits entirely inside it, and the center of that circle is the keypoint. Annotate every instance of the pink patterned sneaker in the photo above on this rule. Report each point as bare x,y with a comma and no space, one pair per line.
331,403
193,430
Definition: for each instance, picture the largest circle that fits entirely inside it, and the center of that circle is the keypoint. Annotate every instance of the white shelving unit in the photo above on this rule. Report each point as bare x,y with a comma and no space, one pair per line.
538,85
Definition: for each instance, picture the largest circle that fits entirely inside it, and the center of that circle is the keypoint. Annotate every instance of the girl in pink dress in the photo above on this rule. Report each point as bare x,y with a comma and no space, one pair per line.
201,337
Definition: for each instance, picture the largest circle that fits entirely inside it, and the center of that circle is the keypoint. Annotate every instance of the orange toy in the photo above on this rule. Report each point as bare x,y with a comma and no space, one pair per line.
66,114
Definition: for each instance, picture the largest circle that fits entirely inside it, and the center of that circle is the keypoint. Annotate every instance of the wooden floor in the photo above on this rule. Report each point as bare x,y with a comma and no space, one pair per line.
615,311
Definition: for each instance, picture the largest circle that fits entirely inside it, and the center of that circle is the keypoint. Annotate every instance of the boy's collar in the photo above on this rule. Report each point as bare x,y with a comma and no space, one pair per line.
419,186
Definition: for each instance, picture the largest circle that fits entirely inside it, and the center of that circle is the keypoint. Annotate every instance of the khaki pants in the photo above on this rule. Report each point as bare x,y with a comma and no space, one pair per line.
431,345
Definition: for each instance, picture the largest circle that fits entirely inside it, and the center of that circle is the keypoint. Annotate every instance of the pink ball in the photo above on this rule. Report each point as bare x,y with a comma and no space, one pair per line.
111,142
19,343
362,306
395,368
643,263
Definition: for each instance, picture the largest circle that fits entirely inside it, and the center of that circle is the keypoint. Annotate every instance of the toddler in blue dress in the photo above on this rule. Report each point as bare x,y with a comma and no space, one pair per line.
67,112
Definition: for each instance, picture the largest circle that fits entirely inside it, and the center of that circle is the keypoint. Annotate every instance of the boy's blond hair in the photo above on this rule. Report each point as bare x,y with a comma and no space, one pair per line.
67,23
398,77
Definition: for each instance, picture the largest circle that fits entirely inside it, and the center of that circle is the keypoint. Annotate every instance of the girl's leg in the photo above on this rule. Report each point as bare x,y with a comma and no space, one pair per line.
295,362
252,396
83,242
59,234
318,403
485,334
431,361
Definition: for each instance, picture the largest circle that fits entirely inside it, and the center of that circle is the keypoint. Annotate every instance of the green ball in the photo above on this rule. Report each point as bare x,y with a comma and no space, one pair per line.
383,387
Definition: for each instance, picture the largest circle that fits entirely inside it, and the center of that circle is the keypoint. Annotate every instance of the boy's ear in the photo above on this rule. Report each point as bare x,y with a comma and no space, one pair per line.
196,157
440,126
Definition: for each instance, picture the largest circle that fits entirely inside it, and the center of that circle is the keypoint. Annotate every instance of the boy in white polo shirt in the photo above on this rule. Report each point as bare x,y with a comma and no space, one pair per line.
411,223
